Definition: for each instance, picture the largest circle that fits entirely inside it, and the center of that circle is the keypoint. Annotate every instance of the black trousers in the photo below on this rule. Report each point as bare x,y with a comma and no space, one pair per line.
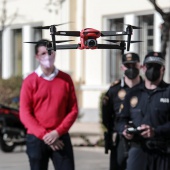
118,154
39,154
143,159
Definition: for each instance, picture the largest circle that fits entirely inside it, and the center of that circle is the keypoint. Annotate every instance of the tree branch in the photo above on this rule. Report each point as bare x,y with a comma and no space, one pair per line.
157,8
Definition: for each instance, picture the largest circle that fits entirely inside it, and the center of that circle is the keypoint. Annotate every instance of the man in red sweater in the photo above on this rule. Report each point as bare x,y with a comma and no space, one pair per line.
48,108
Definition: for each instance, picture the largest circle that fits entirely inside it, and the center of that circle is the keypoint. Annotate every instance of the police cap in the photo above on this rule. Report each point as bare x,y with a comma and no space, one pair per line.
154,57
130,58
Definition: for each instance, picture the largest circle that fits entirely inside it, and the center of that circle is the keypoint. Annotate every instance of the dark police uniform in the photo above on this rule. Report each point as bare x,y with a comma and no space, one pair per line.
112,104
150,107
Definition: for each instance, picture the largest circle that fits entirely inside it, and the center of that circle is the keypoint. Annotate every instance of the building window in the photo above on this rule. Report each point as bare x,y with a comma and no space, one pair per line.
17,49
146,34
114,55
37,34
0,54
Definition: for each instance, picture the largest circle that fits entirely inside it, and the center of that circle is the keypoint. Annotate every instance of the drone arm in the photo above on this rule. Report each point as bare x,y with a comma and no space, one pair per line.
53,40
128,42
68,33
113,33
65,47
109,46
129,31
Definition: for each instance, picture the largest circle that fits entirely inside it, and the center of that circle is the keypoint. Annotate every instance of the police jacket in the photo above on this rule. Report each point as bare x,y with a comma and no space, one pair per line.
142,106
112,102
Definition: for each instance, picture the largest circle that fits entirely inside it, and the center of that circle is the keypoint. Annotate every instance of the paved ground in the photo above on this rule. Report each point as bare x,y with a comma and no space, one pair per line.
84,133
86,158
91,159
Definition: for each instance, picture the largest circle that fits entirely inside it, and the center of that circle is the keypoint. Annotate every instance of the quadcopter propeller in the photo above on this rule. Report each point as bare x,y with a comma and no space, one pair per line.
47,27
112,33
116,41
123,42
128,31
134,27
53,31
49,44
61,41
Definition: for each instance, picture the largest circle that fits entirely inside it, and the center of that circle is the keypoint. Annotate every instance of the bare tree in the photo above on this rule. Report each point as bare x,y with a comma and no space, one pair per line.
165,27
53,5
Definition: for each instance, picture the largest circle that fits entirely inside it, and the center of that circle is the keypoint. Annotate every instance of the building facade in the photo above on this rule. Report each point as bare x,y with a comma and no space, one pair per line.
92,70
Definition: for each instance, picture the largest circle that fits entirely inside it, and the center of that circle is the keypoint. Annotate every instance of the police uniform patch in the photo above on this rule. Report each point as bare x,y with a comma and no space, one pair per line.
134,101
121,94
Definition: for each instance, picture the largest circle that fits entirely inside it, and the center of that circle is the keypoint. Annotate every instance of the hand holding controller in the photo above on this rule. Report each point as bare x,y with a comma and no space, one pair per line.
133,130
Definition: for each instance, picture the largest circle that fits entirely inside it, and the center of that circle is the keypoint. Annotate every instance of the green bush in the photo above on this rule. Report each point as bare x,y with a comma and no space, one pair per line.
9,91
100,110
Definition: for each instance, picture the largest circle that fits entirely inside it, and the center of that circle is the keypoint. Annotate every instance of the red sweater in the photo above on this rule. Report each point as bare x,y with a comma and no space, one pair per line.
48,105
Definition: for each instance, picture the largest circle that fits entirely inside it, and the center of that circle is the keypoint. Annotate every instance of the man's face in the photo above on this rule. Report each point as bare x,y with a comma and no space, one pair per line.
45,60
42,53
152,65
153,71
131,65
131,70
155,65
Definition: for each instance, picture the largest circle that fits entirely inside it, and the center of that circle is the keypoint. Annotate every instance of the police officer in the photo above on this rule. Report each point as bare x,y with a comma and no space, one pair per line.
148,107
112,103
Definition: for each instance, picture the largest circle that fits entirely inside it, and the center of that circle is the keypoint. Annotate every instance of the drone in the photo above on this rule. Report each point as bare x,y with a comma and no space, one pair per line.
88,38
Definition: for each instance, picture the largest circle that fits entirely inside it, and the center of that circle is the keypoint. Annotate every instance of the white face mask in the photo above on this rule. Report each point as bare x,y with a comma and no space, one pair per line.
47,61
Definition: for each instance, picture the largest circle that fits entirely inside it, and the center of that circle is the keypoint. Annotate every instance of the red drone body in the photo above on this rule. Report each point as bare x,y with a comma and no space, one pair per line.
88,38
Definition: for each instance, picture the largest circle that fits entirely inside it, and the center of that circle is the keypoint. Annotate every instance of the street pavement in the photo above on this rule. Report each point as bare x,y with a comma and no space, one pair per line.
86,158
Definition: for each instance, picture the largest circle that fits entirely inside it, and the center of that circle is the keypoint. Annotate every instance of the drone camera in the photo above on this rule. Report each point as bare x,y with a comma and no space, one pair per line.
91,42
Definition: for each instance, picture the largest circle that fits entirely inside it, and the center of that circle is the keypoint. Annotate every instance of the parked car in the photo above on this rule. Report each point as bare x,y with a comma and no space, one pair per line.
12,131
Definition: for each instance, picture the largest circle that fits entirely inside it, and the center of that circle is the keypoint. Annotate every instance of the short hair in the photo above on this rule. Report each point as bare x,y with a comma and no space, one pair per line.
130,58
42,42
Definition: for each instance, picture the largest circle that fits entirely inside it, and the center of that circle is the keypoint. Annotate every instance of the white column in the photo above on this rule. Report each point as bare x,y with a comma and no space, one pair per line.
28,51
80,63
167,64
132,20
7,67
105,59
157,31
